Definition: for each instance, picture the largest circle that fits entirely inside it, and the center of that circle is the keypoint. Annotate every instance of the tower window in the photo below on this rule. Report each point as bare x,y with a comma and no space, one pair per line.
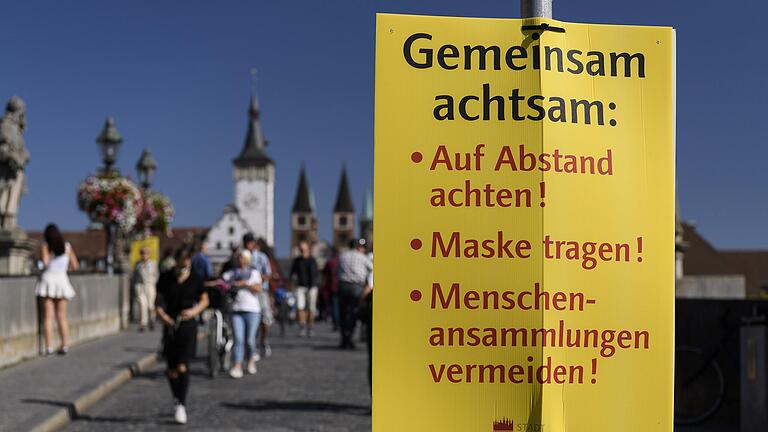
218,245
343,221
301,220
231,230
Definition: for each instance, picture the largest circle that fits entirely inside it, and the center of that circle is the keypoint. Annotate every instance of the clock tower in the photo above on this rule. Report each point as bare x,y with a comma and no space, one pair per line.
254,176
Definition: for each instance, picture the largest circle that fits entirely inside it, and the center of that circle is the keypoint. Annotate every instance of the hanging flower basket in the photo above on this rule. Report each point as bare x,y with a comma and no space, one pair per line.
110,199
156,213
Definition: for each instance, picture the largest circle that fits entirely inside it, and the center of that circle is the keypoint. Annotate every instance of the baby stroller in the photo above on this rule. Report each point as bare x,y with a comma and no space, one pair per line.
220,336
285,302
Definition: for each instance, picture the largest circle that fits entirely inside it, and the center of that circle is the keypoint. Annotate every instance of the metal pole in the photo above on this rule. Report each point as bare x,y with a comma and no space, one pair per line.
536,8
110,249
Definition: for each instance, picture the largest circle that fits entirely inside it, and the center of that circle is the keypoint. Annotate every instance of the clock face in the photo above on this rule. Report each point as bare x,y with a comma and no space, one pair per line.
250,201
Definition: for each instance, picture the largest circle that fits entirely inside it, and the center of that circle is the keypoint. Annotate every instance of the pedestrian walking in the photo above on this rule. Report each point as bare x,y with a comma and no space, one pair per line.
145,276
331,287
246,312
261,263
231,263
366,307
304,275
54,288
181,298
201,262
354,268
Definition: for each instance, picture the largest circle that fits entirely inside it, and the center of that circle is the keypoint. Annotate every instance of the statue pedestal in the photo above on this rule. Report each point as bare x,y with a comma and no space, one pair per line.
15,250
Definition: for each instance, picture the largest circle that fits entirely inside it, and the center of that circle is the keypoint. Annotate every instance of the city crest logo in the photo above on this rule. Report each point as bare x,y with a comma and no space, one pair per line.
504,424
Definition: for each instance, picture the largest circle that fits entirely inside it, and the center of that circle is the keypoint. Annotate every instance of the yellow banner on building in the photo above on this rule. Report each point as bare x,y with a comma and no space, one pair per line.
524,190
151,242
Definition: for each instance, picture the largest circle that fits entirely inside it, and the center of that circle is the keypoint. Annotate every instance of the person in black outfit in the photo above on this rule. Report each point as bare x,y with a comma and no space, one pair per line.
304,275
354,269
180,298
366,316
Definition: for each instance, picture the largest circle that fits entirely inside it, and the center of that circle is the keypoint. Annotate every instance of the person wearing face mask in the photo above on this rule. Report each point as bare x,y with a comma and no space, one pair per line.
181,297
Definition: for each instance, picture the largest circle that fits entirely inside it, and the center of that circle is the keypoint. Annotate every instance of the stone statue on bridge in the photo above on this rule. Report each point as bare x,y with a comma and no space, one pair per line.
15,247
13,159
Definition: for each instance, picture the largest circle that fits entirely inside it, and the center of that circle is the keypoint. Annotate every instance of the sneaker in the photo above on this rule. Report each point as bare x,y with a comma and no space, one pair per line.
267,351
63,350
256,357
49,351
310,333
181,414
252,366
302,332
236,372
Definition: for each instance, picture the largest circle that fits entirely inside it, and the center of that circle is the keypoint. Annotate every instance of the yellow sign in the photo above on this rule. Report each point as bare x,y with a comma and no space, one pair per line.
524,189
151,242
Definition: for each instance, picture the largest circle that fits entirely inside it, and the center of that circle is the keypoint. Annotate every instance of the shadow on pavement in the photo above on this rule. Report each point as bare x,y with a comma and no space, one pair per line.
68,405
62,404
267,405
160,374
75,416
134,420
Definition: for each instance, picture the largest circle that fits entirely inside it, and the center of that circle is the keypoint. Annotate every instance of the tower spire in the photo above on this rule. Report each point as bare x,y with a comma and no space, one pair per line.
254,152
343,197
254,80
303,201
343,214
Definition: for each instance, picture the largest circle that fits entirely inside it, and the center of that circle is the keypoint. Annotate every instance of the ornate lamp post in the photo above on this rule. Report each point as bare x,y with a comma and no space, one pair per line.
109,141
146,167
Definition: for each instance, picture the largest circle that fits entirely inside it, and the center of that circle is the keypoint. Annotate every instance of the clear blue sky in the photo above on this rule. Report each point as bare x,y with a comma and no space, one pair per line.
175,75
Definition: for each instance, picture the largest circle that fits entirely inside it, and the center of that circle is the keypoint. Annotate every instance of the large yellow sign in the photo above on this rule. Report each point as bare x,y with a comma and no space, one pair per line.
524,181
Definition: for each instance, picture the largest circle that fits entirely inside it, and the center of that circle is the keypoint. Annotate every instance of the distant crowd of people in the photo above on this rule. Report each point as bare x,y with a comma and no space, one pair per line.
175,291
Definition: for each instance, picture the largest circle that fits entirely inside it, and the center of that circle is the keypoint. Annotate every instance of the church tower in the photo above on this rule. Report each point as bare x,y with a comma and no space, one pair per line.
254,175
343,214
366,218
303,216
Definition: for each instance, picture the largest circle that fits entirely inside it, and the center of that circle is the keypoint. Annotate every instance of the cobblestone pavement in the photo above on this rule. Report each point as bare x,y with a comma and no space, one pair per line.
34,390
307,385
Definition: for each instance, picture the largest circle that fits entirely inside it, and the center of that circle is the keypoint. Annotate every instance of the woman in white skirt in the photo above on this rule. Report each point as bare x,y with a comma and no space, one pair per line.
54,288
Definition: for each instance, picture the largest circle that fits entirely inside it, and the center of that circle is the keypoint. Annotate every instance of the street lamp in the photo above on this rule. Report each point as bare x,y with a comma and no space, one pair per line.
146,167
109,141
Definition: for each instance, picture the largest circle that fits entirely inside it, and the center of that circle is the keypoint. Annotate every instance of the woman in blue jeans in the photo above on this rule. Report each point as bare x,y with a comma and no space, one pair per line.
246,312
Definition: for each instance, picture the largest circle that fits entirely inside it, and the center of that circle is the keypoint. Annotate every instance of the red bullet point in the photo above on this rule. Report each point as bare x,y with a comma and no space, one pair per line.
416,157
416,244
415,295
